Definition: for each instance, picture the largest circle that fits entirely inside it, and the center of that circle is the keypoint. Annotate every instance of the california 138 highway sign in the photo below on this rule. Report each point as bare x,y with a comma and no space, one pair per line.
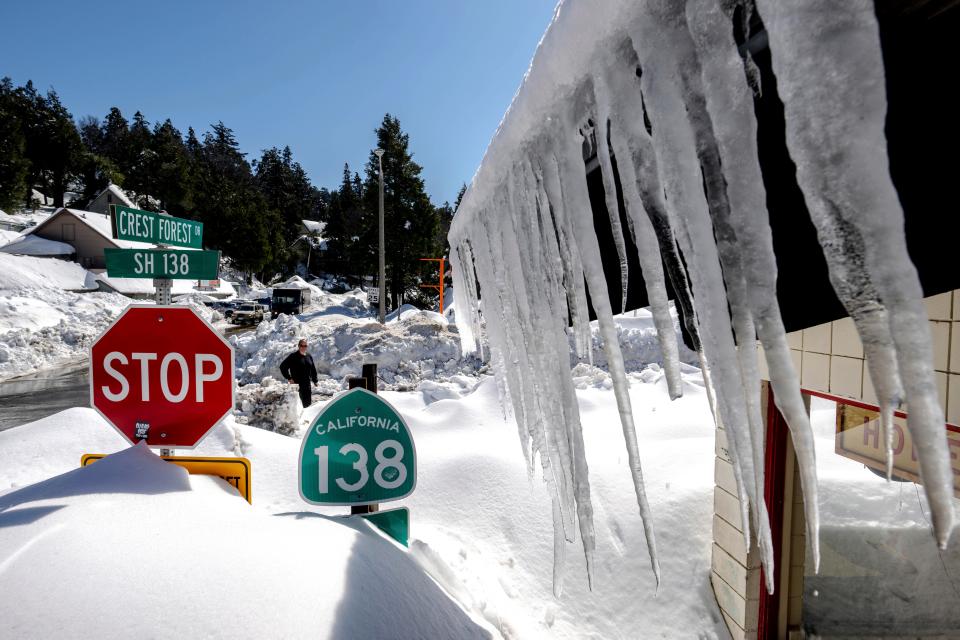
357,451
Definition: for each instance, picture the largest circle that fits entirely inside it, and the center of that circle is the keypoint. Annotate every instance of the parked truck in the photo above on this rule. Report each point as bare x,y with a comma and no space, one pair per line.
289,301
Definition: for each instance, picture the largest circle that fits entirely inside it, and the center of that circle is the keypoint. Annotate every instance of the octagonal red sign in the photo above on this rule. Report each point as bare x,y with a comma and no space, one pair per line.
161,374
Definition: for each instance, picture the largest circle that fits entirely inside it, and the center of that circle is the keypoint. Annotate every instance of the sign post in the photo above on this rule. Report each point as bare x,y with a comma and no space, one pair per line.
162,264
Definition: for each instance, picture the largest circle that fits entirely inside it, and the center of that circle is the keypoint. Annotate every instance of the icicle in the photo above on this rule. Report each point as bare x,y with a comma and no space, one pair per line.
835,106
730,105
465,298
577,205
661,43
559,549
600,132
573,269
644,237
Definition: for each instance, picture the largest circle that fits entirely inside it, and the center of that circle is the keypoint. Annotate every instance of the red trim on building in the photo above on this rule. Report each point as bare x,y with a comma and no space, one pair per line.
775,460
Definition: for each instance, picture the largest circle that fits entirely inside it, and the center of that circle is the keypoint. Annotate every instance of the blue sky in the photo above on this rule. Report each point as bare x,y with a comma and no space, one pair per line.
317,76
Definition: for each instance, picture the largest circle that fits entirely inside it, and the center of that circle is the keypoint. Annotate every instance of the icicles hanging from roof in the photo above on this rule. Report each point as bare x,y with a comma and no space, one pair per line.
835,104
670,99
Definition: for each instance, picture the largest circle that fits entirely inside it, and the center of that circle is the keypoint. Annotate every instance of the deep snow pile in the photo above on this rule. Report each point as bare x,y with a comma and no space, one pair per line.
480,526
42,323
419,346
134,547
639,343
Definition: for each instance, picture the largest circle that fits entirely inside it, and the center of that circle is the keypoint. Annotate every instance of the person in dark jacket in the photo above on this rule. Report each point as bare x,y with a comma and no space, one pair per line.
298,368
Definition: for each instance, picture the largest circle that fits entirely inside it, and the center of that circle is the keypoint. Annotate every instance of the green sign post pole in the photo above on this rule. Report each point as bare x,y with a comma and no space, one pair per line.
147,226
357,451
162,263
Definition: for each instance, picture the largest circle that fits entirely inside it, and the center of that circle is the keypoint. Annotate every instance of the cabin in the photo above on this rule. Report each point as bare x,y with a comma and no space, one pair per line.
87,232
112,194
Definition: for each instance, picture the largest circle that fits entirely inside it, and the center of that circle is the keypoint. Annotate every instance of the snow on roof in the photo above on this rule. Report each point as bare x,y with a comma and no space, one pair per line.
99,222
119,194
296,282
32,245
314,226
29,272
36,195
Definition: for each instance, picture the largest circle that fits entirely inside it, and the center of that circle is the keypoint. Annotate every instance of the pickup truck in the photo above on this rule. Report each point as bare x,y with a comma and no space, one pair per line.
249,313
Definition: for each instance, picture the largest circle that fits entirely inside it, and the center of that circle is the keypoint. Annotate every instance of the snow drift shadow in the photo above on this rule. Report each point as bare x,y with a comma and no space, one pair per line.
383,587
26,515
132,470
877,581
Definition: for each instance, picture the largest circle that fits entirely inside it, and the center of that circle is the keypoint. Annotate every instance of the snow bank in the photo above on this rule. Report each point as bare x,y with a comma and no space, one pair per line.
31,245
17,272
479,527
419,346
153,552
42,323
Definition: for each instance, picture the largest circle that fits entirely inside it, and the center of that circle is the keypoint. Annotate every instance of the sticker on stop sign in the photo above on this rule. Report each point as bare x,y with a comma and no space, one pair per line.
162,374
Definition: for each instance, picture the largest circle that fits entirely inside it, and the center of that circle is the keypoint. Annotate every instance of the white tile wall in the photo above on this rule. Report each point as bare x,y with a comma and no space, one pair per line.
939,306
815,371
795,339
846,340
940,338
817,339
955,344
846,376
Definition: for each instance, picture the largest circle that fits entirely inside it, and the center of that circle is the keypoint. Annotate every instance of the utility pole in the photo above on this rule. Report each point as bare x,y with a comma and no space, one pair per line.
383,270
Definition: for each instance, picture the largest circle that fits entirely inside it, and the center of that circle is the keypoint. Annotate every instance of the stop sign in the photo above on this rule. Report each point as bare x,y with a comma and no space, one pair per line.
161,374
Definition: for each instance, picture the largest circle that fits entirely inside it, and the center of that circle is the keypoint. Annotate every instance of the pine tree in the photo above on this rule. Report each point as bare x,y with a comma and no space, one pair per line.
52,143
344,229
14,165
236,216
140,156
287,190
169,169
411,222
115,144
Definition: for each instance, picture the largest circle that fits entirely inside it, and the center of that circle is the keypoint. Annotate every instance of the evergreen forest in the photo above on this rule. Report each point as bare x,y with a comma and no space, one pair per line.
252,209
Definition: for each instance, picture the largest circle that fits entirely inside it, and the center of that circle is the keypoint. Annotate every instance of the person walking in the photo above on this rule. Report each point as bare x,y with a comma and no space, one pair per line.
298,368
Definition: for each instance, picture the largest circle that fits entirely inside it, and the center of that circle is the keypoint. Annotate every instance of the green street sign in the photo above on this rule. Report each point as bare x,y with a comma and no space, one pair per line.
357,451
393,522
147,226
162,263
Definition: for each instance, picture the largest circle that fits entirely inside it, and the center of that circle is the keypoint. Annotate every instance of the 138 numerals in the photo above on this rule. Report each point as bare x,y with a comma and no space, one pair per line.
389,473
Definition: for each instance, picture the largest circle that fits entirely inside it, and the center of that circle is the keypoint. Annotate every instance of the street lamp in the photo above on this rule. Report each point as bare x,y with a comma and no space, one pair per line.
383,270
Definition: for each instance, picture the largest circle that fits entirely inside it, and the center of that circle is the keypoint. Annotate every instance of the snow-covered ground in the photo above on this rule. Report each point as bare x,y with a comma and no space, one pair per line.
43,322
481,528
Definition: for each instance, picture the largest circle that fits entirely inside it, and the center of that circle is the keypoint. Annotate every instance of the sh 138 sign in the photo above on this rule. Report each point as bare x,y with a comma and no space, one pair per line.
357,451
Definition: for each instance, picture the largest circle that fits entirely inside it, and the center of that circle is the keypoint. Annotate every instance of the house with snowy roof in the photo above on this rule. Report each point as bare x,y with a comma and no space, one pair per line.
112,194
82,236
87,232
